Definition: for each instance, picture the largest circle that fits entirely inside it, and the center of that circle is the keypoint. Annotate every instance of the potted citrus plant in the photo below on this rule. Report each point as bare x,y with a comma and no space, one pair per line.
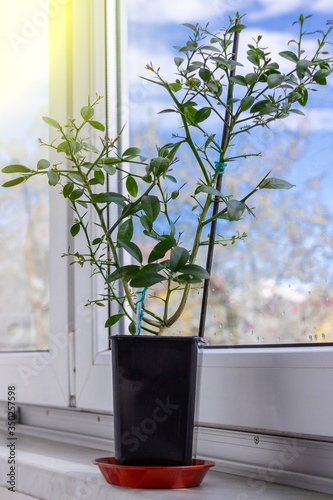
214,106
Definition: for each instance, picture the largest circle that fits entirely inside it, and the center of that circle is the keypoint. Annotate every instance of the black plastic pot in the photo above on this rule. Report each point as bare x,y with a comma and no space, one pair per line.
154,384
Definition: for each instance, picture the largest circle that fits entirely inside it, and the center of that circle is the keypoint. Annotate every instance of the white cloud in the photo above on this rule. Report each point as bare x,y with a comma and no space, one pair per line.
179,11
272,8
323,6
315,120
182,11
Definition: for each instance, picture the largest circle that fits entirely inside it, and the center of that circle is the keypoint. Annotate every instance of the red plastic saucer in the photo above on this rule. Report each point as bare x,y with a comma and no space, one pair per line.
134,476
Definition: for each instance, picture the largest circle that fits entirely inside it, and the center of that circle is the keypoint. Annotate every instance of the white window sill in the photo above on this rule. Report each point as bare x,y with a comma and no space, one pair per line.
46,470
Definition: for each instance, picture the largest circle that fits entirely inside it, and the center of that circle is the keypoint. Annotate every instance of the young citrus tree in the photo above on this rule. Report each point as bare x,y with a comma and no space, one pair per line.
215,106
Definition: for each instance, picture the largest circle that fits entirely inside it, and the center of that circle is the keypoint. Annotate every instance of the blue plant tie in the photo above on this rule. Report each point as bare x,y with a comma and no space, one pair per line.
139,309
219,168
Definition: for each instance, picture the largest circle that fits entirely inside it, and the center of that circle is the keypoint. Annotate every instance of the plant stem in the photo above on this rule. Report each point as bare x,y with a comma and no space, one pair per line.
224,146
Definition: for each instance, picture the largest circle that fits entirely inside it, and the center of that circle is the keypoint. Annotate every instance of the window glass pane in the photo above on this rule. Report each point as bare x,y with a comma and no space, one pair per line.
24,226
276,286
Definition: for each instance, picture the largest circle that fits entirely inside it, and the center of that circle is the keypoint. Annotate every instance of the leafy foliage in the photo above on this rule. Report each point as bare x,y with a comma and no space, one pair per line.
206,91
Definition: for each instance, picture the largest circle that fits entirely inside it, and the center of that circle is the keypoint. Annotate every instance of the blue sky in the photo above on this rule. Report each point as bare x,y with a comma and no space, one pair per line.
154,27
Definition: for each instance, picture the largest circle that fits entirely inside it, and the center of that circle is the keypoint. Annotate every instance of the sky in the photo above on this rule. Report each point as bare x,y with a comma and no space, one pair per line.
155,27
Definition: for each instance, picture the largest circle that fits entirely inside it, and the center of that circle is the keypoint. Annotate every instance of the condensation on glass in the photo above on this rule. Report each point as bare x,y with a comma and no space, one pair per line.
24,221
276,286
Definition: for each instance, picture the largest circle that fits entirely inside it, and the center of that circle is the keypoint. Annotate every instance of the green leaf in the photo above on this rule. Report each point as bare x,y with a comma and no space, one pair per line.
189,103
76,177
202,114
178,258
99,176
125,231
97,125
88,165
123,272
252,57
302,67
287,54
190,69
189,113
147,178
76,194
195,271
238,79
251,78
304,99
89,147
171,178
110,161
175,87
294,96
274,183
297,112
42,164
113,320
246,103
53,177
132,186
116,198
159,165
178,61
155,266
131,248
237,27
191,26
132,152
64,147
109,169
75,229
269,109
321,75
208,190
151,206
272,65
14,182
68,188
82,203
132,328
147,224
186,278
167,111
14,169
97,241
210,47
259,105
146,279
205,74
87,112
235,209
274,80
229,63
159,251
51,122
